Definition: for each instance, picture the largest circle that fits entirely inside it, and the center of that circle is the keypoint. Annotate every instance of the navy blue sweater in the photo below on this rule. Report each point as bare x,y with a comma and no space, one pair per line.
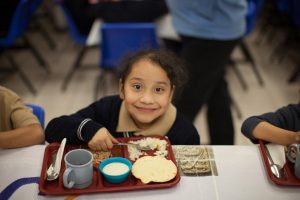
105,113
286,118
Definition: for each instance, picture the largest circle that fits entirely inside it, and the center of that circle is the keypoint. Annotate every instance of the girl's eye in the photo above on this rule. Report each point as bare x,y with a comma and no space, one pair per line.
159,90
137,86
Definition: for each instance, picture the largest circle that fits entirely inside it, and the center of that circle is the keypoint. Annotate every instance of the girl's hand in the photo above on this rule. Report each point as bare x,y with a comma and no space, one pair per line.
102,140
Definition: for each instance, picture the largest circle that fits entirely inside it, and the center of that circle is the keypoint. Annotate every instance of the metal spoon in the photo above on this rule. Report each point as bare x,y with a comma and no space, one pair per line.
275,168
53,170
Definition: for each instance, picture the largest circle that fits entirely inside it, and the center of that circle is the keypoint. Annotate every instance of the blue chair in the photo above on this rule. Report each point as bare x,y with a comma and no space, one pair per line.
79,38
296,21
253,10
39,112
18,26
34,6
119,39
73,30
296,12
284,6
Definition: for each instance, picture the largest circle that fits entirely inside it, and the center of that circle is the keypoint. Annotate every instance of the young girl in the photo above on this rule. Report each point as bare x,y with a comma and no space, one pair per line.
147,84
280,127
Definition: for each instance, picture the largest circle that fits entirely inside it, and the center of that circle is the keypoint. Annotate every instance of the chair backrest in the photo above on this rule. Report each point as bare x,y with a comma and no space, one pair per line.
38,112
284,6
18,25
73,29
296,12
34,5
253,9
119,39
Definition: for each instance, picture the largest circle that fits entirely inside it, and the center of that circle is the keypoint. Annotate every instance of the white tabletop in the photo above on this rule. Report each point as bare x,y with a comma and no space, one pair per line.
241,176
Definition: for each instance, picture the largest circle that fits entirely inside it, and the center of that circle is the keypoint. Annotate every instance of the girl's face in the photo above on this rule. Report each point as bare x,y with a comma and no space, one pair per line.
147,92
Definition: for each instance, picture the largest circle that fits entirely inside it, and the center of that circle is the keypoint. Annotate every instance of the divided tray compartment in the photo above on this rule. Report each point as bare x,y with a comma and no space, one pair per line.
289,178
56,187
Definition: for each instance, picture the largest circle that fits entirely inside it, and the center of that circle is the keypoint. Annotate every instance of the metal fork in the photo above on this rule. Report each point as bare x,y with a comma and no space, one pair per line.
136,145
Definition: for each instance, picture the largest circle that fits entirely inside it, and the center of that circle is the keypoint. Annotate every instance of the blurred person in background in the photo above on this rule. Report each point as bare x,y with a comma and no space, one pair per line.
209,31
19,127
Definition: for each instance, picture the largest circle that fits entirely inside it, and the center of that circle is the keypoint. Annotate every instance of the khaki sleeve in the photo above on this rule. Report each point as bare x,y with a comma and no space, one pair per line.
21,115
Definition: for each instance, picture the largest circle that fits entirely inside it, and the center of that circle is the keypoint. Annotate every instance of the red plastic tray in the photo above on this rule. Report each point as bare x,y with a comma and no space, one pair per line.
56,187
288,168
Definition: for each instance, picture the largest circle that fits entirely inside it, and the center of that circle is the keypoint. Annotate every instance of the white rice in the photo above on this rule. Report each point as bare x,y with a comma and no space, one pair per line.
153,143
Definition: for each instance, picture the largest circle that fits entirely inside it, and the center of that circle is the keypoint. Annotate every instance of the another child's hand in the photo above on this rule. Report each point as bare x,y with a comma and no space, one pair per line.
102,140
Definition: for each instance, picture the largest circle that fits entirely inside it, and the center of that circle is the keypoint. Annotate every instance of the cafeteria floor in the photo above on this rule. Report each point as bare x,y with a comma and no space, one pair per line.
257,99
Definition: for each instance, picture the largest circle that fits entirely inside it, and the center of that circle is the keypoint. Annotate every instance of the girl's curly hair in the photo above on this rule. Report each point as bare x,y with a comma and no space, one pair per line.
167,60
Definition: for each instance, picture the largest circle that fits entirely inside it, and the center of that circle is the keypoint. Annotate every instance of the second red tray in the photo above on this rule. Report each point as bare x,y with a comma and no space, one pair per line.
289,179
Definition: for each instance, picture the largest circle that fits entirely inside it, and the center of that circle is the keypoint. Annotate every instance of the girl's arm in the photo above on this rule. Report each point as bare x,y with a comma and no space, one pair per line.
81,126
78,128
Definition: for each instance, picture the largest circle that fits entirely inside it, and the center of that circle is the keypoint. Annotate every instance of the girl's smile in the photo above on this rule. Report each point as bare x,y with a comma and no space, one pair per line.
146,110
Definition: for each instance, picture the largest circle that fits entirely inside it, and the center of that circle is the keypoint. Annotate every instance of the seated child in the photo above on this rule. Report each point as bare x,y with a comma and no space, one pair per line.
148,80
280,127
19,127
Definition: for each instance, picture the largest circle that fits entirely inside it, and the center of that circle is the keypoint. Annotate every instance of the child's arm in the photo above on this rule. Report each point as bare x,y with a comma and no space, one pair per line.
21,137
81,127
268,132
281,126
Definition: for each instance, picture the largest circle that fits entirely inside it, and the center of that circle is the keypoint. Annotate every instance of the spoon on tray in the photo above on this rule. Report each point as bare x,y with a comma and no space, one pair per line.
275,168
54,169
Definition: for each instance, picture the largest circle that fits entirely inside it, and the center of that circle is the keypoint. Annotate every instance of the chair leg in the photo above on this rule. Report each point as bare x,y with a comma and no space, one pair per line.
103,80
294,75
236,108
75,66
46,36
100,83
22,74
36,54
238,74
249,57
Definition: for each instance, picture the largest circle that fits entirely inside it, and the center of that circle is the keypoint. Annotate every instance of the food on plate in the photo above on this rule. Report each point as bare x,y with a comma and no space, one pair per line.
154,169
156,144
199,152
115,168
195,167
100,155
